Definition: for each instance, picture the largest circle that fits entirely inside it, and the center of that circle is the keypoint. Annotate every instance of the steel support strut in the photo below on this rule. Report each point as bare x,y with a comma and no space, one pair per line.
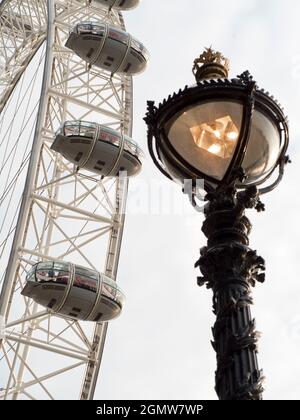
230,268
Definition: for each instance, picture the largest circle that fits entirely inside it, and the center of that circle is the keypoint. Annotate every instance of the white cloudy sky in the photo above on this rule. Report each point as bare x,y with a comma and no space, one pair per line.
160,347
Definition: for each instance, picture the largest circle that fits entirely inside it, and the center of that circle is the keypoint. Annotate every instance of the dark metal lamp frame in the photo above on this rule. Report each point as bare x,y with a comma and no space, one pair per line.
242,90
227,264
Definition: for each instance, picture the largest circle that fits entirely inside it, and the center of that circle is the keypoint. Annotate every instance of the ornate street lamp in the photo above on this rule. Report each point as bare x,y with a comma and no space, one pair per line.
234,136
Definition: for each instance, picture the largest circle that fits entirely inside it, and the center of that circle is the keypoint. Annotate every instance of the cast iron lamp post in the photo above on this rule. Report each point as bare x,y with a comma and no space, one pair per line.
234,136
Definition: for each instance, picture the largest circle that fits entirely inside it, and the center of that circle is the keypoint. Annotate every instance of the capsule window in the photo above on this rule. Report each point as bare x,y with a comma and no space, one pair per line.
71,130
97,30
50,272
45,265
79,128
85,283
109,137
86,272
118,35
90,28
84,28
61,277
44,272
86,279
109,290
130,147
87,130
64,266
136,45
43,276
31,275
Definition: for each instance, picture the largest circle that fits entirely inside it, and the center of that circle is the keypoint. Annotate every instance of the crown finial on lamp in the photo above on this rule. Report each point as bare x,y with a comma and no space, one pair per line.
211,65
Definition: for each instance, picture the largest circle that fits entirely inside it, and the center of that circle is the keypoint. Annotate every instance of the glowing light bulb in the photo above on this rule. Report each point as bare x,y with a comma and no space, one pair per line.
232,135
217,133
217,137
215,149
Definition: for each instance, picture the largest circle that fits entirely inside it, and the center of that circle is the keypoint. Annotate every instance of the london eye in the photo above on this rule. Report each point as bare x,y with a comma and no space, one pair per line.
67,155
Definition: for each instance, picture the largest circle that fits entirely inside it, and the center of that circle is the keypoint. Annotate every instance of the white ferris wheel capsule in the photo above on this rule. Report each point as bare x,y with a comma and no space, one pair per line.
118,4
108,47
74,291
98,148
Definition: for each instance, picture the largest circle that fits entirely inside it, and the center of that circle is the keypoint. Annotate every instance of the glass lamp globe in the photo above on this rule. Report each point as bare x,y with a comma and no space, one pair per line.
207,135
217,127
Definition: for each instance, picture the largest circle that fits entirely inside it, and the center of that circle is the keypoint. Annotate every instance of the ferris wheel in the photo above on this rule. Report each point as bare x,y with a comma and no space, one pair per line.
66,156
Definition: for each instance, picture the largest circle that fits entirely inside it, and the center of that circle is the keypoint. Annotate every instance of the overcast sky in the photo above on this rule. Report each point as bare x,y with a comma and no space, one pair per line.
160,346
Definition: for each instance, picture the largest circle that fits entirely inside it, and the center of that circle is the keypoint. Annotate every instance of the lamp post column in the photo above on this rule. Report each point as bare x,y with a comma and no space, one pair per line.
234,136
230,268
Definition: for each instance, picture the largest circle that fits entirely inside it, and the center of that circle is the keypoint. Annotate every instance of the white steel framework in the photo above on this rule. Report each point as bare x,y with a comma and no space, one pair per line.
64,214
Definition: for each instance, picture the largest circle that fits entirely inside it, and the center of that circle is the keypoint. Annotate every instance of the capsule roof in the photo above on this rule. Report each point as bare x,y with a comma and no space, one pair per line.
108,47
